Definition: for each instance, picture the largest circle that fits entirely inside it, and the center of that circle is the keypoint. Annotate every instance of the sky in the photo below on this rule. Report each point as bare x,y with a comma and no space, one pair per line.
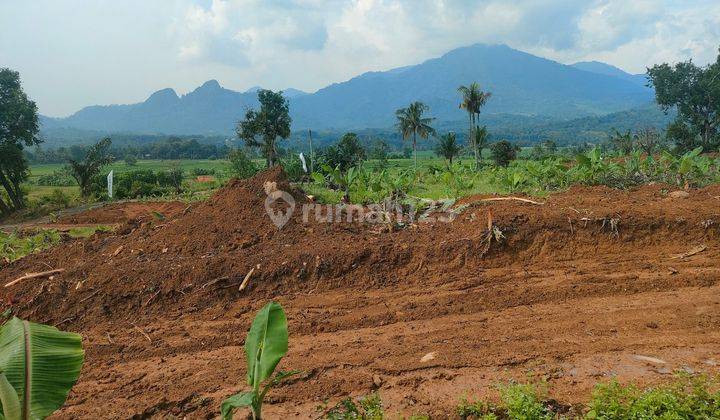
75,53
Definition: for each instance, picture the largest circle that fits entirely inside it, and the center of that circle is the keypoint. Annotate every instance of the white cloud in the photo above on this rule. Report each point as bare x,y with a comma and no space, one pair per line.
108,51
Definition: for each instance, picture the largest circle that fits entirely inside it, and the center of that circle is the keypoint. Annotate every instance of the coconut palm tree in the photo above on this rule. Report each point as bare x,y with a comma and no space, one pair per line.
480,140
412,123
473,99
448,147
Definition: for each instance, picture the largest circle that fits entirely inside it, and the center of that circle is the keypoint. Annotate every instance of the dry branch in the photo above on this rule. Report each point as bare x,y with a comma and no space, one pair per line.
524,200
29,276
245,281
142,332
698,249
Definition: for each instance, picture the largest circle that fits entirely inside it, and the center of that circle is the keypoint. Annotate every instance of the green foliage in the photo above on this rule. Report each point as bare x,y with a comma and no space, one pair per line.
203,171
13,247
688,397
18,128
59,178
524,402
41,364
695,93
241,165
130,160
140,183
262,128
87,168
448,147
473,99
346,154
266,344
365,408
475,410
412,123
503,152
293,167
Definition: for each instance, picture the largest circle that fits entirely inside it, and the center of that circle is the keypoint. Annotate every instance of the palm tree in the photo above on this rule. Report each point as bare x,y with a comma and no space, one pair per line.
473,99
448,147
480,140
412,123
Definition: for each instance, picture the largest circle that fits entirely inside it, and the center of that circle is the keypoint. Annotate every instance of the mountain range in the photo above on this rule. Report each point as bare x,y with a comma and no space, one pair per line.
521,84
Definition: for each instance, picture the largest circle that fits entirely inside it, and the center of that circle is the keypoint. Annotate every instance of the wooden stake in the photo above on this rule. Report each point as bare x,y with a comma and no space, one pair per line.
29,276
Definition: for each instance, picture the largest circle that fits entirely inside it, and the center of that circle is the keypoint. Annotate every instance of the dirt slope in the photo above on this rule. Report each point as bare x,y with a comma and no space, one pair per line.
578,289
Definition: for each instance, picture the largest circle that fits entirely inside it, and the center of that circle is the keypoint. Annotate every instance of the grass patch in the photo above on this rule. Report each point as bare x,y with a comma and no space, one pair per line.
13,247
88,231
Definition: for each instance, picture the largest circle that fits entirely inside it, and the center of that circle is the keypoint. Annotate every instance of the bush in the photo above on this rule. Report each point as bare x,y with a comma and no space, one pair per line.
241,165
140,183
56,179
130,160
686,398
503,152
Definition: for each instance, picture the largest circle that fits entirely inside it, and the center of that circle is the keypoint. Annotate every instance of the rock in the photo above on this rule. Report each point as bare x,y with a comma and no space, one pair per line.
428,357
679,194
377,381
649,359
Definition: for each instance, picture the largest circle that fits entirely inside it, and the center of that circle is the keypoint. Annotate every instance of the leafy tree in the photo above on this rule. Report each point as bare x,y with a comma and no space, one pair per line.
83,170
241,165
18,128
503,152
695,92
346,154
263,128
473,99
412,123
448,147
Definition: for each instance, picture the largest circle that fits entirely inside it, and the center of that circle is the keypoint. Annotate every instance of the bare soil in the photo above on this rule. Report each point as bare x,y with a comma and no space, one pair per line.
592,284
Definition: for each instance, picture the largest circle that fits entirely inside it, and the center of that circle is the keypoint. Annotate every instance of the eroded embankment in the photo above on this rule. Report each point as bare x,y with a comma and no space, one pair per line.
577,288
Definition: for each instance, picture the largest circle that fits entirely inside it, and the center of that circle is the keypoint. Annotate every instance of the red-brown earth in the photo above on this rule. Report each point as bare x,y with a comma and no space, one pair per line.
591,284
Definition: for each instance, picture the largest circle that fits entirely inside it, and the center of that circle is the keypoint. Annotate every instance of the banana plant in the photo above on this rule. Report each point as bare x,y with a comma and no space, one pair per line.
266,344
39,365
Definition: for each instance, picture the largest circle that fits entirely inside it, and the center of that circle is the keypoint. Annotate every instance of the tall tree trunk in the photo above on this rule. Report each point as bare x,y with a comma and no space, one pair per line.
12,193
4,209
415,149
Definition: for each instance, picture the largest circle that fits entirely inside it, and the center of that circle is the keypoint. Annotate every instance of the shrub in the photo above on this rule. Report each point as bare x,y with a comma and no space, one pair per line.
130,160
687,397
366,408
241,165
56,179
503,152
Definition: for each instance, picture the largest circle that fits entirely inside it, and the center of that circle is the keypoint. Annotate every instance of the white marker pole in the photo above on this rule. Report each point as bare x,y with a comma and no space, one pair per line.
110,184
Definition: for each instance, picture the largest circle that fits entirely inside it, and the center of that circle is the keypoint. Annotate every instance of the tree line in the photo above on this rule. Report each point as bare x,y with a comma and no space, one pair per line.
692,91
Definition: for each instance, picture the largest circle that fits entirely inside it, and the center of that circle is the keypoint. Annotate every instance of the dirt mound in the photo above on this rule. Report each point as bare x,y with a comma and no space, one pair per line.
568,284
123,212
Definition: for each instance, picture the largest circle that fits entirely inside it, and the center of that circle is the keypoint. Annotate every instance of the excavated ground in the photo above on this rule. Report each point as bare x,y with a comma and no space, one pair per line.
594,283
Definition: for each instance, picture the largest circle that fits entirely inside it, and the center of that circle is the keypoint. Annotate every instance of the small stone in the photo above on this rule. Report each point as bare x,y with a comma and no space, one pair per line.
679,194
428,357
377,381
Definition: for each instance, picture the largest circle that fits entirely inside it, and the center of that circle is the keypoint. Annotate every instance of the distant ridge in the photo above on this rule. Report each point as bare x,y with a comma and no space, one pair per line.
521,84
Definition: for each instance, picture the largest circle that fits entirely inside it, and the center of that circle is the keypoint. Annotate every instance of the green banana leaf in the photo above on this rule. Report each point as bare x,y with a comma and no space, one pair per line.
9,399
266,343
41,363
243,399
